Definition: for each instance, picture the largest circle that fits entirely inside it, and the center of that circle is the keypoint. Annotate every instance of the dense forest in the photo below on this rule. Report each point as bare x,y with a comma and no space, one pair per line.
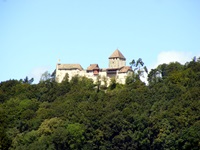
80,114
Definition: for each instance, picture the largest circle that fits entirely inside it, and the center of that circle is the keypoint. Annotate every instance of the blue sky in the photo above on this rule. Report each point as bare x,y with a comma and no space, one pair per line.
35,34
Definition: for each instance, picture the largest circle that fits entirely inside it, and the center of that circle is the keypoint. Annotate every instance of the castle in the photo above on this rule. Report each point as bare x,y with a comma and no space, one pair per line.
117,69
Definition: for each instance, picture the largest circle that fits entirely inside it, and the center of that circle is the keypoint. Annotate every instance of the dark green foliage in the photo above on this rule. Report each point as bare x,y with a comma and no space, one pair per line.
26,80
7,89
138,67
78,114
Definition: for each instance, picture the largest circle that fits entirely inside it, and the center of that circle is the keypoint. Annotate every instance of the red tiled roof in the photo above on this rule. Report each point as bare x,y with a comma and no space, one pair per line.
125,69
92,67
117,54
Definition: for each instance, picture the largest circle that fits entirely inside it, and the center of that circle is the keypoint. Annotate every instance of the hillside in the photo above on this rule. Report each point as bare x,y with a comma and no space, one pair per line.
78,114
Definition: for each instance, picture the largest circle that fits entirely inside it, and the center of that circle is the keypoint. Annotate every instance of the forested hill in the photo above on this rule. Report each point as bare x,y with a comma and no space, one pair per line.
81,115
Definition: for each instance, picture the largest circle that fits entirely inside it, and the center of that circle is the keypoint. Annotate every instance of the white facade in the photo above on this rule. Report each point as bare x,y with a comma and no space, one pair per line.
116,63
61,73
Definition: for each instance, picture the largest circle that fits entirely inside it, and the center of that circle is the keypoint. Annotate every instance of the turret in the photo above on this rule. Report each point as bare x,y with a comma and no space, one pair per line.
117,60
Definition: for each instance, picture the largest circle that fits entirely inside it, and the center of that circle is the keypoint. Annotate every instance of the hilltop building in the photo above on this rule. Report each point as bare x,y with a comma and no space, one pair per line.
117,69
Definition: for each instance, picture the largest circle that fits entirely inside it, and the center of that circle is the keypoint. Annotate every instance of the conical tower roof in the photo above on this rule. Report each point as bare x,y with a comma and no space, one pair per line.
117,54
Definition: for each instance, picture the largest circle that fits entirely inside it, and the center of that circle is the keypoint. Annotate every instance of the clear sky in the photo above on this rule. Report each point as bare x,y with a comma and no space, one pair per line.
34,34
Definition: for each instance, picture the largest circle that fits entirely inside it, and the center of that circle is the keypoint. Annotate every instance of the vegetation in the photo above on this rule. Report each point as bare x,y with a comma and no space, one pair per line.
78,114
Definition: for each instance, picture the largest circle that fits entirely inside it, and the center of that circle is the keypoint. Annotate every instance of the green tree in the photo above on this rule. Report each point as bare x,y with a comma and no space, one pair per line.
45,76
138,66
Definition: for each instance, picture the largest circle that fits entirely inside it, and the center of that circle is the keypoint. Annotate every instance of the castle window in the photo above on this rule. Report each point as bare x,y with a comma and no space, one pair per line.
96,72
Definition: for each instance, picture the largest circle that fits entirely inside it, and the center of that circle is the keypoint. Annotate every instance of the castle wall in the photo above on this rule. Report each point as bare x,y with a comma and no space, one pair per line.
116,63
103,76
121,77
60,73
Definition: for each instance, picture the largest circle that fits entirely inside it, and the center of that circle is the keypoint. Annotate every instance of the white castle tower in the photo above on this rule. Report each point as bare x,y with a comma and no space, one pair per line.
117,60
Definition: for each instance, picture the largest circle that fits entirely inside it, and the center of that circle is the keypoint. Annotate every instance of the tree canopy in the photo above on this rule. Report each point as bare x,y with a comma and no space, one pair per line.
80,114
